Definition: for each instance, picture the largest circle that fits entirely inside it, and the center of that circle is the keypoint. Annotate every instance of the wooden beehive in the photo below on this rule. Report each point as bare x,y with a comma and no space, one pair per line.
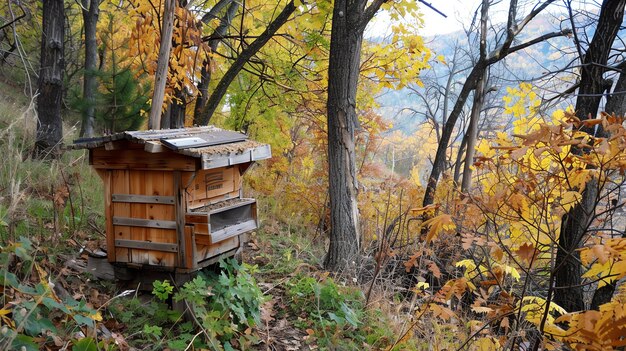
173,198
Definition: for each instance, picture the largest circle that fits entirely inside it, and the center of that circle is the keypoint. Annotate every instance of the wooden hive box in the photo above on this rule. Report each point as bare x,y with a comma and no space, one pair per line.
173,198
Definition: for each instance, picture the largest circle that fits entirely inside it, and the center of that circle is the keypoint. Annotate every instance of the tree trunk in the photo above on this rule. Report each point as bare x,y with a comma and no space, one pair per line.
616,103
343,73
569,294
178,110
49,124
205,74
479,97
90,19
160,77
448,128
243,58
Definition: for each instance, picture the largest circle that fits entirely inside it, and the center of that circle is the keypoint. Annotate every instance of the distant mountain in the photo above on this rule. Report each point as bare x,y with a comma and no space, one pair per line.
529,64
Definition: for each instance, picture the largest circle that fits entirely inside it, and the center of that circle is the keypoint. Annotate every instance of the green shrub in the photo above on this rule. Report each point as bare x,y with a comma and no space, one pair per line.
225,307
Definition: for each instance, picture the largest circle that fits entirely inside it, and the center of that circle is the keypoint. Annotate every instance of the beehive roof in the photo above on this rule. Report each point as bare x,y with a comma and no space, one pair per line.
216,147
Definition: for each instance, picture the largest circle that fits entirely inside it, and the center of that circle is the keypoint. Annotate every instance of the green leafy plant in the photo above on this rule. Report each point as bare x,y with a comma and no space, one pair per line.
334,313
225,307
33,314
226,304
162,289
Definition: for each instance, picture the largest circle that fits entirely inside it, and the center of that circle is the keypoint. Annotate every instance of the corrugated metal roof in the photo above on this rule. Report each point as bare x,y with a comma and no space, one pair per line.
216,147
142,136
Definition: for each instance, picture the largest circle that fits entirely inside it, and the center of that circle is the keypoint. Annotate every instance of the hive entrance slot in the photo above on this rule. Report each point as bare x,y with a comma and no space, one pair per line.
229,218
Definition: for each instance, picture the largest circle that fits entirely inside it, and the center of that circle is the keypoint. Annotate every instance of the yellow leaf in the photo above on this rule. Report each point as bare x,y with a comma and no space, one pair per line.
422,286
437,225
96,316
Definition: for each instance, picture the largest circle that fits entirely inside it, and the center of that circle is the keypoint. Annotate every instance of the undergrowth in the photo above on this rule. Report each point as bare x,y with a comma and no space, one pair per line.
34,316
225,306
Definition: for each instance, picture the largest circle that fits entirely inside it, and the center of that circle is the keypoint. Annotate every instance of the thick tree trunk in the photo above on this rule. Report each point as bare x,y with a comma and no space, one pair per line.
343,73
205,74
49,124
243,58
90,19
569,294
160,77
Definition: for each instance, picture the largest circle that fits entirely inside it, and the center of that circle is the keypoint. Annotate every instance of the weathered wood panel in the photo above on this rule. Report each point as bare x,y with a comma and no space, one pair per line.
207,251
146,199
138,210
196,218
233,230
146,245
190,254
107,178
121,184
169,212
213,185
141,160
156,185
179,197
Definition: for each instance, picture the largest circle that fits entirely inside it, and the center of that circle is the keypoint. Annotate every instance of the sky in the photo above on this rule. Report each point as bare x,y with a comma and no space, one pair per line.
459,13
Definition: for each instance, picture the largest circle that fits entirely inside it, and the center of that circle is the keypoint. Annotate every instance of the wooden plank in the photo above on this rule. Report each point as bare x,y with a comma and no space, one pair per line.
209,251
179,189
169,212
240,158
138,159
236,178
236,204
146,199
107,178
145,245
191,217
202,239
139,211
201,228
154,147
210,186
144,223
121,184
190,253
155,186
261,152
233,230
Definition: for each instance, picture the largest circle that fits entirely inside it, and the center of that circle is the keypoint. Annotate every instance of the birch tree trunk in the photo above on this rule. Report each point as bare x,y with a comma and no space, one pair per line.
160,77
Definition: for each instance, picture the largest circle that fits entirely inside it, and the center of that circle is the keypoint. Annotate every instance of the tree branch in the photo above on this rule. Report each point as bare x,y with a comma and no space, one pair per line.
495,57
215,10
242,59
369,13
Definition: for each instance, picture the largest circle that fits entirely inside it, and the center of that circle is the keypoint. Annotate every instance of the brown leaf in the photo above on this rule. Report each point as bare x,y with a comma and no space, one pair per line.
267,311
432,266
526,252
60,196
